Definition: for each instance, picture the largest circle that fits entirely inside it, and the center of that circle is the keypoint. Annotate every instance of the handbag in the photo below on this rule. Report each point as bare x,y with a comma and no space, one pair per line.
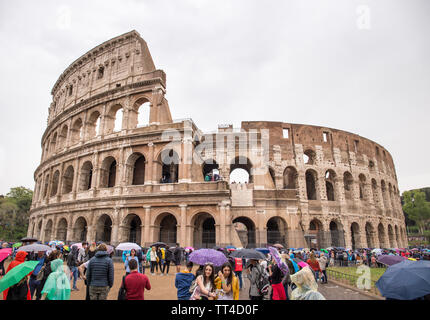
122,292
41,273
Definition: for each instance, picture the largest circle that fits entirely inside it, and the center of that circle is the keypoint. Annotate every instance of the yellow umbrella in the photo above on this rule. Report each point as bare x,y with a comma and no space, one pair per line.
412,259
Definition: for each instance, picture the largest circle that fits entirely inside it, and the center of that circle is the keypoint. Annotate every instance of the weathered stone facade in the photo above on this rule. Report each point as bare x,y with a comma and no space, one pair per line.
98,180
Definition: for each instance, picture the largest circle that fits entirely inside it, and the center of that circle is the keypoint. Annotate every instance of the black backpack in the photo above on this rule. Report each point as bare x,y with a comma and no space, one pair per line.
263,283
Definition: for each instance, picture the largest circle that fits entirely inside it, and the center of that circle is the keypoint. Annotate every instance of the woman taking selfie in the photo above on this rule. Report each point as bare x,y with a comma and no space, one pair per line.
205,284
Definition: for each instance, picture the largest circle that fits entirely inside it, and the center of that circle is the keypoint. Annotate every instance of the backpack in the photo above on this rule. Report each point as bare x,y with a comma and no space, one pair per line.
262,283
122,292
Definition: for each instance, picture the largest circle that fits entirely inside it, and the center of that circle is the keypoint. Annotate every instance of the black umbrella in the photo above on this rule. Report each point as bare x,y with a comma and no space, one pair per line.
159,244
28,239
248,254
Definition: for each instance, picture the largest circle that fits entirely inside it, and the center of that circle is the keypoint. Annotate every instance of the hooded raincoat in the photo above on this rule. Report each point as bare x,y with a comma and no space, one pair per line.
307,288
57,286
19,258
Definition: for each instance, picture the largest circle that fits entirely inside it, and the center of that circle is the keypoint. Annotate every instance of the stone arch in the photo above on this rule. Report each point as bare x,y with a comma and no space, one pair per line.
209,168
54,142
375,193
290,177
241,163
391,236
135,169
336,234
168,166
80,228
311,184
277,231
271,178
113,118
381,235
86,176
348,185
39,230
68,179
247,235
204,230
384,194
104,228
48,230
369,235
330,183
132,228
77,131
108,172
315,237
355,235
166,222
309,156
62,230
45,187
55,182
142,110
93,124
396,231
62,137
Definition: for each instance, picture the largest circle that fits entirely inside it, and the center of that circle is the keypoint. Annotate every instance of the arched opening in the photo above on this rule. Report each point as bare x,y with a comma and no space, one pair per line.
118,120
355,235
311,185
270,179
62,138
55,181
39,230
384,194
48,230
396,230
362,179
381,236
68,180
375,193
104,229
240,170
62,230
135,169
86,176
108,173
309,157
80,229
336,234
45,187
348,185
143,112
170,166
77,131
54,142
93,125
290,178
204,234
330,180
168,226
210,170
132,229
315,236
391,236
277,231
369,235
245,228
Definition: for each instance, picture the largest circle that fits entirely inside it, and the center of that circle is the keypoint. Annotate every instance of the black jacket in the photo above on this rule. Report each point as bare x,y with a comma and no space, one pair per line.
100,272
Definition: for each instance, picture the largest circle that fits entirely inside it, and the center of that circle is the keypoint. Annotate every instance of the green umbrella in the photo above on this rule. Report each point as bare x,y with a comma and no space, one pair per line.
324,250
16,245
16,274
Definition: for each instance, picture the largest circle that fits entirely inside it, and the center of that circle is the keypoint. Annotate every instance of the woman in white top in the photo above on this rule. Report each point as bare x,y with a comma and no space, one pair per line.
205,288
153,260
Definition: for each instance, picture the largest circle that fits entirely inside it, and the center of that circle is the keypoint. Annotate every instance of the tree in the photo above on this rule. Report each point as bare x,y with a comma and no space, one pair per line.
14,213
417,208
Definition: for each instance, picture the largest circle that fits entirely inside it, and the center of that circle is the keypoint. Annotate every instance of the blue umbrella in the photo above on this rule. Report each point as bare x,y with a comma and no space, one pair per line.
263,250
406,280
230,247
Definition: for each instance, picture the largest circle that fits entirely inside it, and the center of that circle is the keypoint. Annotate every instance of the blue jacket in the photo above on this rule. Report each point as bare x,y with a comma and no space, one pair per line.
127,268
183,282
100,271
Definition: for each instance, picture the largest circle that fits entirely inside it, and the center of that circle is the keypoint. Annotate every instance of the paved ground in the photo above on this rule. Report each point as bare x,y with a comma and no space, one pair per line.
163,288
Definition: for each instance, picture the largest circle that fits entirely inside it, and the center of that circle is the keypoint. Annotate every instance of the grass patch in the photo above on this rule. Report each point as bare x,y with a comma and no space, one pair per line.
375,273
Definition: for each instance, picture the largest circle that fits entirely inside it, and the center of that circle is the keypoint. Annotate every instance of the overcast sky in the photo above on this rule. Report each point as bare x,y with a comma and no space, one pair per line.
359,66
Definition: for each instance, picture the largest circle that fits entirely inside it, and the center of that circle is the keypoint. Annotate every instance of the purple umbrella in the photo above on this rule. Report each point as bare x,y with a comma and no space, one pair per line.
390,260
275,254
203,256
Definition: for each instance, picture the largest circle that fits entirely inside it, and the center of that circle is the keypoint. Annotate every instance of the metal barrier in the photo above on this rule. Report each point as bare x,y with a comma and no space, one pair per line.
351,280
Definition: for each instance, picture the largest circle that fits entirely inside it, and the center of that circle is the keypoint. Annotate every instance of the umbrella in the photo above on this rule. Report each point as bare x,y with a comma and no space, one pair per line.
377,251
390,260
248,254
412,259
302,264
159,244
275,254
189,249
263,250
4,253
203,256
329,248
405,280
230,247
110,249
16,274
278,245
16,245
128,246
28,239
66,248
56,242
324,250
35,247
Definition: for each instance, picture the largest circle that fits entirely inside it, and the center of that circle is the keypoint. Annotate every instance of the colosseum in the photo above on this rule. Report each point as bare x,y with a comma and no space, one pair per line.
116,167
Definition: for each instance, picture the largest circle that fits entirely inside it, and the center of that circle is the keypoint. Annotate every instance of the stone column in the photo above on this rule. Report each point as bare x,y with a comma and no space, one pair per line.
183,226
149,165
228,224
146,238
186,161
142,235
75,178
115,227
217,234
221,210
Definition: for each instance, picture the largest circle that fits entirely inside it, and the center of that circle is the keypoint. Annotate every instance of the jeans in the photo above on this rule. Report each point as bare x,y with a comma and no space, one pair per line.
286,290
166,263
154,264
98,293
33,284
317,275
74,272
324,272
239,275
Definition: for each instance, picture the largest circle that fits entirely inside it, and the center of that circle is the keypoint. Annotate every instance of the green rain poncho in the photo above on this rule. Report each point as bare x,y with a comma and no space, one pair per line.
57,286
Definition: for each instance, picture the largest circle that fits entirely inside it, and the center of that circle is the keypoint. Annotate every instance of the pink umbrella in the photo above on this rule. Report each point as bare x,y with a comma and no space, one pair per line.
77,244
4,253
302,264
